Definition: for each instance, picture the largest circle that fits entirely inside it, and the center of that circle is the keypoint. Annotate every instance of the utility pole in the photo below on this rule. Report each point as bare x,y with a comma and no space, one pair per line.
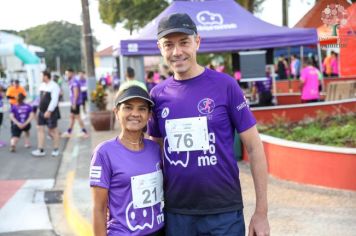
88,51
285,12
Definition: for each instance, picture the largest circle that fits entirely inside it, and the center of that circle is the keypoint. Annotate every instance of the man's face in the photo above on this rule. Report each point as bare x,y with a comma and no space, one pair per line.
179,51
69,74
45,78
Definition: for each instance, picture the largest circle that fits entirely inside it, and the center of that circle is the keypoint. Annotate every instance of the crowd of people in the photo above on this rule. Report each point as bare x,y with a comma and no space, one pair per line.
44,111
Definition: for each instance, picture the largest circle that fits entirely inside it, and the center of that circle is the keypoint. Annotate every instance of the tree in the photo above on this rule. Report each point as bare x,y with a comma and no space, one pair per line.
251,5
133,13
59,39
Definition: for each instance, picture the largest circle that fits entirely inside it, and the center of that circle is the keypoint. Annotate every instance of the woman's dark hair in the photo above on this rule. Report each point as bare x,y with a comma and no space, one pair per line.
20,98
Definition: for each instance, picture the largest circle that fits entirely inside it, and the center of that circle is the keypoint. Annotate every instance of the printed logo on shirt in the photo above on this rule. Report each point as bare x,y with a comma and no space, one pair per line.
95,172
206,106
175,158
139,218
165,112
243,104
207,157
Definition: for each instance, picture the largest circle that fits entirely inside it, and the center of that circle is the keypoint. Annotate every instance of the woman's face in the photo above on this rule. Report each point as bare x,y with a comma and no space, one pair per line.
133,114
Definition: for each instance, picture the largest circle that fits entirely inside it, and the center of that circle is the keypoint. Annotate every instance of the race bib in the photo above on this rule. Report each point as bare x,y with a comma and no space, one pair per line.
187,134
147,189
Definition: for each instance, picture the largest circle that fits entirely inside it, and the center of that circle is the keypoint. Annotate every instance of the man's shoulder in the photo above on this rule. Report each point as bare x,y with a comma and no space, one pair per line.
221,79
160,86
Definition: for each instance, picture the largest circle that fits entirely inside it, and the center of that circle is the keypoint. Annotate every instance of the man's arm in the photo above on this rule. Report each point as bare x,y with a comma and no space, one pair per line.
259,222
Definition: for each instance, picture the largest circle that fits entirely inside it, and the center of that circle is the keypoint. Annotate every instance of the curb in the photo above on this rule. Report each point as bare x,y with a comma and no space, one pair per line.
77,222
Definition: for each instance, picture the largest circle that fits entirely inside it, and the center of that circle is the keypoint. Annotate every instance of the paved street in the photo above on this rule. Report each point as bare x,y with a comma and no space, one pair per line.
24,181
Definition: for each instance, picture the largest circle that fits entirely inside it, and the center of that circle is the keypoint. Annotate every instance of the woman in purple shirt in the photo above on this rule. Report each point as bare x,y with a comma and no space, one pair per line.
125,173
21,116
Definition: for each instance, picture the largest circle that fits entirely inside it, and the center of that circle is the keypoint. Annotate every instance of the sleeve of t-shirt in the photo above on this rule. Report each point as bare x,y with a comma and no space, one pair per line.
54,98
100,171
239,111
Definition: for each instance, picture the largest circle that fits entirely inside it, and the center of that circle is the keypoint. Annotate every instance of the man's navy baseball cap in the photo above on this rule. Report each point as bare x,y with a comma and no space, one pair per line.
176,23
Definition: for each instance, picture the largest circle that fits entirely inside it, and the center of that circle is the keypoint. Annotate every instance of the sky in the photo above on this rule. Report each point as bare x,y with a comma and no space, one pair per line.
23,14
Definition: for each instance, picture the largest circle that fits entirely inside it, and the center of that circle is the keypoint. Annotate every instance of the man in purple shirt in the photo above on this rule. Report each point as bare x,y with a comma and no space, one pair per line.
196,112
76,101
83,89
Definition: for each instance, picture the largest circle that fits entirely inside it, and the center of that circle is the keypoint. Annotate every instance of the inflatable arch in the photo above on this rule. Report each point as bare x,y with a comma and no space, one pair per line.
32,63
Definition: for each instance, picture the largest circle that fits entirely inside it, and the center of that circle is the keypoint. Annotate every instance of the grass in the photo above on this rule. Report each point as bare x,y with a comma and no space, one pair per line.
338,130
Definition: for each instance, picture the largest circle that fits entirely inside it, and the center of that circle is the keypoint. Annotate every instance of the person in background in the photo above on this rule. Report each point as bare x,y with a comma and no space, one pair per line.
116,82
334,64
295,67
149,81
327,69
108,79
76,101
131,80
48,115
13,91
2,95
21,115
309,83
102,81
195,116
126,173
83,89
264,91
281,68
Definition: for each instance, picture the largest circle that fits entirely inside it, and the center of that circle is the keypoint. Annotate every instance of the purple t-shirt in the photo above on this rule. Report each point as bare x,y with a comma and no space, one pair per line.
112,167
74,83
202,182
264,86
21,112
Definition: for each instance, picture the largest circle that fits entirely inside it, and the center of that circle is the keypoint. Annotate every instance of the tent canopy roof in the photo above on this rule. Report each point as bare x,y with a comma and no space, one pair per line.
224,26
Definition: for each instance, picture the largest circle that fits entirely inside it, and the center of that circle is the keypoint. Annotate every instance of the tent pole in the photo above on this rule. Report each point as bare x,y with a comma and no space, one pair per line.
321,67
301,56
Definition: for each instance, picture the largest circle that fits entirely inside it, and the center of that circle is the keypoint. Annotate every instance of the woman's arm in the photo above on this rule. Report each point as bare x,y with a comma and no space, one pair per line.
100,199
30,117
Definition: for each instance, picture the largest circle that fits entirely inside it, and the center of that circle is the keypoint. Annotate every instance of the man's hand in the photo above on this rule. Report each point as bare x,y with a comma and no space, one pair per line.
47,114
259,225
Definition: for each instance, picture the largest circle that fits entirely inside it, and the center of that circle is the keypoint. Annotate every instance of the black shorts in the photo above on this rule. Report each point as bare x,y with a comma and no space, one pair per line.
51,122
1,117
16,131
76,110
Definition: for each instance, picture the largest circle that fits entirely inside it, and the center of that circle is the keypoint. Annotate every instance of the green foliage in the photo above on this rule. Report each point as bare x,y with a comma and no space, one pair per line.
338,130
251,5
59,39
133,13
